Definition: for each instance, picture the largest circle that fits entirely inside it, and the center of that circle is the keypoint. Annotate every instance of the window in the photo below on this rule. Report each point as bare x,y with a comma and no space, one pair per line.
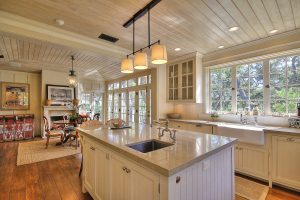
142,106
110,86
110,106
274,87
142,80
85,102
285,84
131,106
116,85
221,96
91,103
131,83
123,106
250,86
116,105
124,84
97,105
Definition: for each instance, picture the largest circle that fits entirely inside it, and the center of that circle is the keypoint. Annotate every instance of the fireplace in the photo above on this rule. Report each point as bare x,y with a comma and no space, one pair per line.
54,113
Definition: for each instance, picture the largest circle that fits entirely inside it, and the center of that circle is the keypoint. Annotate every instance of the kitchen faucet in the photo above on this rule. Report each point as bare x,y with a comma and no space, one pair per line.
161,131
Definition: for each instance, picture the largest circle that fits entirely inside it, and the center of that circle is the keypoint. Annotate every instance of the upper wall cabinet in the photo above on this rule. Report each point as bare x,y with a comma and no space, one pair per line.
184,80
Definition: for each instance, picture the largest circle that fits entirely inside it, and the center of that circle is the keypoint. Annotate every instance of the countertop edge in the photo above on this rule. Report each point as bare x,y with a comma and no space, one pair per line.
152,166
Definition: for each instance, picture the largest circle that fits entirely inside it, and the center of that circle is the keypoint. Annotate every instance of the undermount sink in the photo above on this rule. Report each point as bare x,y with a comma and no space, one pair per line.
149,145
244,133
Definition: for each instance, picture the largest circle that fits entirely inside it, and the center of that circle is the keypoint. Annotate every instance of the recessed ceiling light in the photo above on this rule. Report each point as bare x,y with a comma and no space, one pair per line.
234,28
177,49
59,22
273,31
221,47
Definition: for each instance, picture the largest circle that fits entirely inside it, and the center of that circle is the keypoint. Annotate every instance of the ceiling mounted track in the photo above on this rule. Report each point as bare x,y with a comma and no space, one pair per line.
141,13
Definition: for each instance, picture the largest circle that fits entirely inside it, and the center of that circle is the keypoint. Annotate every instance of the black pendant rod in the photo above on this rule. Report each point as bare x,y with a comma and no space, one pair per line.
141,49
72,58
149,28
141,13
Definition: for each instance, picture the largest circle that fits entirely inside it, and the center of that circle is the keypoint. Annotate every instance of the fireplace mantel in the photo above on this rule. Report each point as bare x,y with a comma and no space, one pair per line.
55,111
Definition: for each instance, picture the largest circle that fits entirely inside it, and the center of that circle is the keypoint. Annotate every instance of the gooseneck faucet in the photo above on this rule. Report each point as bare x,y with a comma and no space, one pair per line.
161,131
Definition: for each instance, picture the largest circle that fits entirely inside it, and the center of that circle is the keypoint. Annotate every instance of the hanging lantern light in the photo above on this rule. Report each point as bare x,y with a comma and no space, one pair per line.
72,78
127,66
159,54
140,61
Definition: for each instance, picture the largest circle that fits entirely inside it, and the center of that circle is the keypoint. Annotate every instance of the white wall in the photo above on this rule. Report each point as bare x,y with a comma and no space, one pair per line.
163,107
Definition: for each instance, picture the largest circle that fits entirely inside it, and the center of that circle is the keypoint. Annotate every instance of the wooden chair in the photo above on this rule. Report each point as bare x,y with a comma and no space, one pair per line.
97,116
111,123
52,133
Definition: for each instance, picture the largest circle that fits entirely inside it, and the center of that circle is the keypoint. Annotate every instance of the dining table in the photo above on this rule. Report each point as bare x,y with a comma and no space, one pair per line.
68,127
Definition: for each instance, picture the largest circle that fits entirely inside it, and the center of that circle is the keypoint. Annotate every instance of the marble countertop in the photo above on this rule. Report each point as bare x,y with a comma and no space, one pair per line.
268,129
189,148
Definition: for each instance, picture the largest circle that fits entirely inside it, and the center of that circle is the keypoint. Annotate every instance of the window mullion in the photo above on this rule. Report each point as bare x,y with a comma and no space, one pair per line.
266,90
234,91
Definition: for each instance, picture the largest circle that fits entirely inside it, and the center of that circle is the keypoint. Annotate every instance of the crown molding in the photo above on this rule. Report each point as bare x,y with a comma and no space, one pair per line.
273,44
17,25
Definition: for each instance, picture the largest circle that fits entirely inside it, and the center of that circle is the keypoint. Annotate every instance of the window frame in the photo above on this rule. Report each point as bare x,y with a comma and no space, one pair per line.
266,85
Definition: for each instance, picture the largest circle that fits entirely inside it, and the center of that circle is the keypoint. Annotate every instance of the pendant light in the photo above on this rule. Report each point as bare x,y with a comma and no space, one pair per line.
127,66
158,51
72,78
159,54
140,61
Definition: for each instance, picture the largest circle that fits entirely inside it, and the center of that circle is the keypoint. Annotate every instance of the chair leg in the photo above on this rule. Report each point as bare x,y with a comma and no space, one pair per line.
47,142
76,141
70,140
81,166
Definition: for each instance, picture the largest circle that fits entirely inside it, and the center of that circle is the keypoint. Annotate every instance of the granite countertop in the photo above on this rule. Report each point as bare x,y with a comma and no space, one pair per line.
268,129
188,149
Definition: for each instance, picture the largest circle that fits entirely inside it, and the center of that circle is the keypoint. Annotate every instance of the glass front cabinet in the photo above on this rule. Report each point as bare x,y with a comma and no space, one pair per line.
184,80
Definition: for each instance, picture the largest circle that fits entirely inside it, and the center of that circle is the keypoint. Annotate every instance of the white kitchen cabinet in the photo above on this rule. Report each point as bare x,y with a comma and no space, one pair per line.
286,160
251,160
89,165
95,170
109,176
184,80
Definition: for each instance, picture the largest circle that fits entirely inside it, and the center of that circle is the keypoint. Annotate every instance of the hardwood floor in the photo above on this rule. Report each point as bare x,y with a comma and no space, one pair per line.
57,179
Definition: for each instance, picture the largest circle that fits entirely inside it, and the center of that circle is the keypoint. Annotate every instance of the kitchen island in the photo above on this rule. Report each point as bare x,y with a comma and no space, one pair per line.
196,166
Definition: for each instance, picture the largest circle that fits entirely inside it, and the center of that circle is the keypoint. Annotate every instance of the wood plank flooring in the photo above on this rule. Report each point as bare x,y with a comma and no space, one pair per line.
57,179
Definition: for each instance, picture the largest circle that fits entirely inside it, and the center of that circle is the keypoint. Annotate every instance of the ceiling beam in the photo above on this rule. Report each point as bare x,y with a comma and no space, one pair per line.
17,25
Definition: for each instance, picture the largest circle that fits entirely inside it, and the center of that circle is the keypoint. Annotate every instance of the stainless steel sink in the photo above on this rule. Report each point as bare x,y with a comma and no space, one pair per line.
149,145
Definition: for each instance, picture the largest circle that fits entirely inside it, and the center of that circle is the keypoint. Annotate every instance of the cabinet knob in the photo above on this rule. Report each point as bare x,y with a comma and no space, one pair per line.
290,139
128,170
178,178
124,168
92,148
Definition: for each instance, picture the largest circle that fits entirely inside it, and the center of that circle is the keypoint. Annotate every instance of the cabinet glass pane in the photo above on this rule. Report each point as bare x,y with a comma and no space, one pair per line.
176,82
190,93
190,67
184,93
171,71
184,80
175,70
190,80
171,83
175,94
170,94
184,68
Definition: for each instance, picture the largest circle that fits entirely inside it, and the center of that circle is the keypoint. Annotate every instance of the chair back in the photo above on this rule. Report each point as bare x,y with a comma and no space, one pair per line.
91,124
118,121
96,116
46,124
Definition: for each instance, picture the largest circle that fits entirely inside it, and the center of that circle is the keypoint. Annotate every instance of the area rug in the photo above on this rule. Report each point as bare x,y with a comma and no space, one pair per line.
35,151
249,190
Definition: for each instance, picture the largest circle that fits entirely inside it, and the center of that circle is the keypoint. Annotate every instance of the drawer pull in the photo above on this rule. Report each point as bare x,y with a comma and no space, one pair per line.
92,148
290,139
178,179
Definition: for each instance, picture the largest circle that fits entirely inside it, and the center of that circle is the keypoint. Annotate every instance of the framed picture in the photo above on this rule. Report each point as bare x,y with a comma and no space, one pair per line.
60,95
15,96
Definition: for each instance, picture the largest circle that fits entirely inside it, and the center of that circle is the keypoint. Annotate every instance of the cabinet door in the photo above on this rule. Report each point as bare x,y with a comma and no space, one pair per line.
117,178
253,161
200,128
187,80
89,166
286,160
237,158
172,75
142,183
101,173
